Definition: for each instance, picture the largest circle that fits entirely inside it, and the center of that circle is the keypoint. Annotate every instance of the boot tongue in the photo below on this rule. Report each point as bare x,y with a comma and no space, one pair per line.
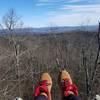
44,82
65,83
43,86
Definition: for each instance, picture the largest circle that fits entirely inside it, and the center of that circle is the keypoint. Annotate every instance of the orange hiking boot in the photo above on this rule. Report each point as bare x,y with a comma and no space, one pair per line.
67,85
45,86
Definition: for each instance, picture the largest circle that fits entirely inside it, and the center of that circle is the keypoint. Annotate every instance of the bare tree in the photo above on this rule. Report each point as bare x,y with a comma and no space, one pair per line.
11,21
90,71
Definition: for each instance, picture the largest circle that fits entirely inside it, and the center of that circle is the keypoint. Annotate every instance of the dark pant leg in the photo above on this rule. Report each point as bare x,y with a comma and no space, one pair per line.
72,97
41,97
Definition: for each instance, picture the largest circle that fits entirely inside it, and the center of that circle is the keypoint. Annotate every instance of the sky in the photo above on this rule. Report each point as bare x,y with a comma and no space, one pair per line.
47,13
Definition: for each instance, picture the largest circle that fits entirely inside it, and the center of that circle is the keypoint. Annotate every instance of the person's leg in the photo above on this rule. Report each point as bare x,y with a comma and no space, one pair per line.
71,97
43,90
41,97
69,90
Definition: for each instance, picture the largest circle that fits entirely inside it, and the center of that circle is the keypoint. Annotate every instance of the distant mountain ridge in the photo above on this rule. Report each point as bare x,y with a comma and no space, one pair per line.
45,30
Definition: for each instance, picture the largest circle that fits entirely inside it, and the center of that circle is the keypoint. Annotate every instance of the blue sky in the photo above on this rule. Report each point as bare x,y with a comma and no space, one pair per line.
44,13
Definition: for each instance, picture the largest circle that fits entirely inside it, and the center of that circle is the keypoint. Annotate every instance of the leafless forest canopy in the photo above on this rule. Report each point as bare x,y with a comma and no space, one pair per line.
24,57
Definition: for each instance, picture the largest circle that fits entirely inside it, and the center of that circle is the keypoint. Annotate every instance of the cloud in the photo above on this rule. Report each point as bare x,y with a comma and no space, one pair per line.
43,0
43,4
76,15
51,1
48,2
82,8
75,19
71,12
57,1
74,1
71,1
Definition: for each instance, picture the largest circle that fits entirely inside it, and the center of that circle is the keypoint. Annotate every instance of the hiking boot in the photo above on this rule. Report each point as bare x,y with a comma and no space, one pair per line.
44,87
67,85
